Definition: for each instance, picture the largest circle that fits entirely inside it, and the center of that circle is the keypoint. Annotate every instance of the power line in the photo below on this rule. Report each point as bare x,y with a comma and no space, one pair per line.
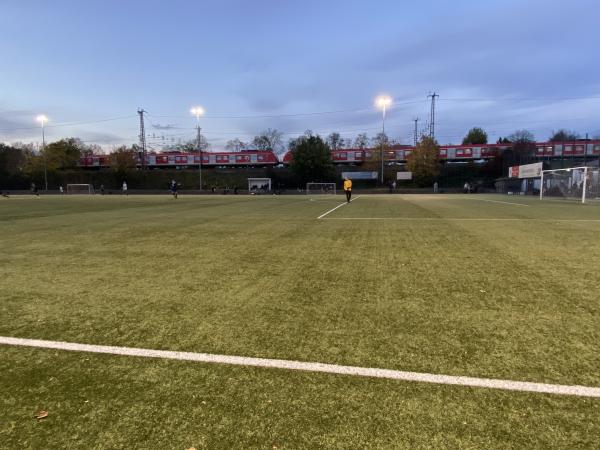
69,124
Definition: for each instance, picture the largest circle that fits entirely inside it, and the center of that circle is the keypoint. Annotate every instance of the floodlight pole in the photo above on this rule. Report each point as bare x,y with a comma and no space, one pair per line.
44,153
542,185
382,137
198,111
198,145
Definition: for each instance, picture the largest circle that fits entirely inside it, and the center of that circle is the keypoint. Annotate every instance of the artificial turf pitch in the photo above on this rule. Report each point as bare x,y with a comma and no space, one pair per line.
457,285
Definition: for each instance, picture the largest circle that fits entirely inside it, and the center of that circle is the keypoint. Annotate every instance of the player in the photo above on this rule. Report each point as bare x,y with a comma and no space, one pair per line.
125,188
34,190
348,188
174,188
61,190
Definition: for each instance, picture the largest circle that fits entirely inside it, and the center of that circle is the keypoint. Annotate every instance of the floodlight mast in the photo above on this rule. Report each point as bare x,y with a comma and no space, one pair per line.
43,119
198,111
383,101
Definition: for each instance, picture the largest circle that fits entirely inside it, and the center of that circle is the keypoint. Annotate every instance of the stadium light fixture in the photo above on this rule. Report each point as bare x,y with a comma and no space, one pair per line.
383,102
42,119
198,111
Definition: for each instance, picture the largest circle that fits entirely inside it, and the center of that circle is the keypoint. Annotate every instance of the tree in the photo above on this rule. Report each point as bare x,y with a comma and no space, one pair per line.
361,141
123,159
189,146
503,140
236,145
63,154
270,139
12,160
522,151
424,161
475,136
335,141
294,142
521,136
564,135
312,160
379,140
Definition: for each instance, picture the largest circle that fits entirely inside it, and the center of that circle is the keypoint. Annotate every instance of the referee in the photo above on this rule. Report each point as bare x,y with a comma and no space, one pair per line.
348,188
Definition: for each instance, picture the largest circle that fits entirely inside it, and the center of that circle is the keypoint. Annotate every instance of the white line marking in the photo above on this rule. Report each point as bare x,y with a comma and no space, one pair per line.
525,386
497,201
465,218
338,206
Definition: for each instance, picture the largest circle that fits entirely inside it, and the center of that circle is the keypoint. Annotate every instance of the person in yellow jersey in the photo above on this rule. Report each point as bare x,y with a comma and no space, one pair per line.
348,188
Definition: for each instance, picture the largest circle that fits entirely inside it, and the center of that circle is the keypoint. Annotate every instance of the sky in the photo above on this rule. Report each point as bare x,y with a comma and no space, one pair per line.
296,65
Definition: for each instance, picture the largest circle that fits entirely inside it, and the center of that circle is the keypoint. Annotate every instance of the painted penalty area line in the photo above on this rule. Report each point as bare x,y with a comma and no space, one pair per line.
338,206
524,386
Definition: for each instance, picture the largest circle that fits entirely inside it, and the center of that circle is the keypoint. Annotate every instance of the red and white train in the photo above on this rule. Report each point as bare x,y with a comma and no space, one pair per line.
395,154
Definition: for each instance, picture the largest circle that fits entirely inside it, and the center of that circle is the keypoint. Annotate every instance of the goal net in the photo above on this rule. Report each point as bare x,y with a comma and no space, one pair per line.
80,189
320,188
577,183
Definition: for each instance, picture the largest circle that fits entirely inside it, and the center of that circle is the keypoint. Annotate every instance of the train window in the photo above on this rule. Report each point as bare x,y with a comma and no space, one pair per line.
596,148
579,148
568,148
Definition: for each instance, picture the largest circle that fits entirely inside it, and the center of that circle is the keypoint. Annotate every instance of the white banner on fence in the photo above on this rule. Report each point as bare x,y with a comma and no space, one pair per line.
526,171
403,175
360,175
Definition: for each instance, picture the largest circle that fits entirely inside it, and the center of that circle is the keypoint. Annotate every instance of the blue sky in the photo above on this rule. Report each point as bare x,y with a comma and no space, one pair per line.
499,64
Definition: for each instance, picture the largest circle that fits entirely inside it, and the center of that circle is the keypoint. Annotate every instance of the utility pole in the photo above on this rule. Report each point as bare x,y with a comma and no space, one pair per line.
142,137
432,115
416,120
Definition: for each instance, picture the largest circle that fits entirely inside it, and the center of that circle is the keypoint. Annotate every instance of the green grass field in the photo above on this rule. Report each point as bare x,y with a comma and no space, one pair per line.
445,284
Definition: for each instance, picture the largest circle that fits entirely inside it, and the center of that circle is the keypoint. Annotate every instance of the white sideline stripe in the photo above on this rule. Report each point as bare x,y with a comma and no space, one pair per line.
338,206
514,219
581,391
497,201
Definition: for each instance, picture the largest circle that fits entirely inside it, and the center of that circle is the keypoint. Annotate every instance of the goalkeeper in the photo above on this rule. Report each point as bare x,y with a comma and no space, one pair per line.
348,188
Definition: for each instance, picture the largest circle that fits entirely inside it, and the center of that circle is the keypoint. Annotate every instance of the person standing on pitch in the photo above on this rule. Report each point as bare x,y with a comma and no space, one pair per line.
348,188
174,188
125,187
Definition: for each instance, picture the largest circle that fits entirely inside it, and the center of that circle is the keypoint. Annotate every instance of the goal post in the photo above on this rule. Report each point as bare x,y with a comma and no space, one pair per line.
320,188
80,189
576,183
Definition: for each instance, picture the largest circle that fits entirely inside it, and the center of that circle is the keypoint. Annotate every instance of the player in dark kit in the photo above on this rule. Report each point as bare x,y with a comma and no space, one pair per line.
174,188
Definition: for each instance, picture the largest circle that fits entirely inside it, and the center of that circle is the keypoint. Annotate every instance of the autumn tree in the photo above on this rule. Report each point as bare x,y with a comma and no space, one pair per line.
424,161
63,154
123,159
311,160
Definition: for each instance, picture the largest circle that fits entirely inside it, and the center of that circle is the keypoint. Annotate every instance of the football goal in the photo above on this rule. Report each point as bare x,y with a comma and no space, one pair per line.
80,189
577,183
320,188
